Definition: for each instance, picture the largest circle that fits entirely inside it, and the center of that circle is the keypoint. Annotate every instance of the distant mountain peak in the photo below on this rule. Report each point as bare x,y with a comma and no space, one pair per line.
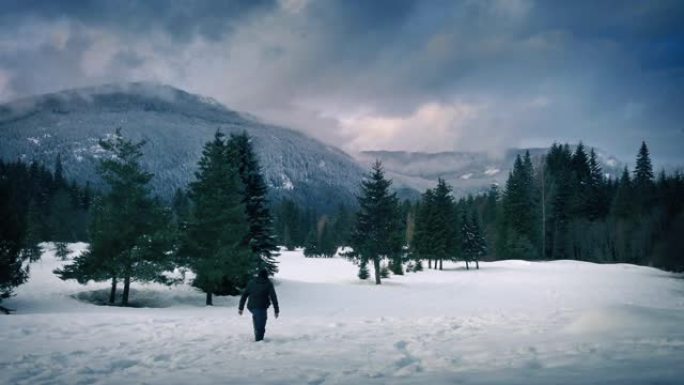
117,97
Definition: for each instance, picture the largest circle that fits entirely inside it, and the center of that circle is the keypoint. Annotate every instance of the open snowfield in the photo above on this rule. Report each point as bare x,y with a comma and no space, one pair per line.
511,322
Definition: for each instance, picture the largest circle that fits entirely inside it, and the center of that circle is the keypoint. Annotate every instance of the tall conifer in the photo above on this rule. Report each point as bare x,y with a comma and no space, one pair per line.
261,236
131,238
377,231
213,244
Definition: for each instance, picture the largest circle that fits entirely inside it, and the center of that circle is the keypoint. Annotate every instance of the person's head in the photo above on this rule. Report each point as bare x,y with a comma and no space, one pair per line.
263,273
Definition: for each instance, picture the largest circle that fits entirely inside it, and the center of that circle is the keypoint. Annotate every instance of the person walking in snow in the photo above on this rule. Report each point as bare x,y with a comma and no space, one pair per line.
261,293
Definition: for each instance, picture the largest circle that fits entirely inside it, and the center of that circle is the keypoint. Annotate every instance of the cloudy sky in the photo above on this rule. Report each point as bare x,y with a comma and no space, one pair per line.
395,75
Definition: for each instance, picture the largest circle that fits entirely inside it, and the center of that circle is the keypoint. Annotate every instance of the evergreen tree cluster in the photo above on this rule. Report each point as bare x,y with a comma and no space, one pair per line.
220,229
36,205
519,231
57,209
320,234
566,208
561,206
445,229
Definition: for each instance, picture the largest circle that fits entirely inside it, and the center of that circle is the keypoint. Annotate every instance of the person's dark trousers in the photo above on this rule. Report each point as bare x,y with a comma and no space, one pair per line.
259,317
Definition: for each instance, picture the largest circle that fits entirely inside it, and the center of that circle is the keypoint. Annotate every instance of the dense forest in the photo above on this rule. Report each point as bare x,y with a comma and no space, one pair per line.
37,205
223,229
559,206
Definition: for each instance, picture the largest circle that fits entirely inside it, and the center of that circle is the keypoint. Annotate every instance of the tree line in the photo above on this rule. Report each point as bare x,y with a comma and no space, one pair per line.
221,228
37,205
560,206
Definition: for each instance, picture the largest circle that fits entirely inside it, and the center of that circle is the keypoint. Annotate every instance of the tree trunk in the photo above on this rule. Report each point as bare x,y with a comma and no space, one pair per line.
126,290
440,264
112,293
209,301
376,267
467,268
477,265
429,263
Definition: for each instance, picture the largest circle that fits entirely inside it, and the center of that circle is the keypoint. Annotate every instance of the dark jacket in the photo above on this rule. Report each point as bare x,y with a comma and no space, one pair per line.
261,293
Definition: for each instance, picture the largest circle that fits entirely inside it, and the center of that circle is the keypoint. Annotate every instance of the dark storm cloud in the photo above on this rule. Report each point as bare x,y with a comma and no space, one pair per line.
180,19
414,75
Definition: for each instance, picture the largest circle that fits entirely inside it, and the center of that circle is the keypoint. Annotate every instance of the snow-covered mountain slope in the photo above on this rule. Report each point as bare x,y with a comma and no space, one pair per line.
511,322
466,172
175,124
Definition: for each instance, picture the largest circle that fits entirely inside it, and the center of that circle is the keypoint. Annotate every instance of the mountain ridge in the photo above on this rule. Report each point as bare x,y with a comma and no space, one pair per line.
175,125
467,172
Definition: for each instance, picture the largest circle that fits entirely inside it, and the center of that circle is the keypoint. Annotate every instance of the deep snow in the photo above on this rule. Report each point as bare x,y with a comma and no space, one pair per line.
509,322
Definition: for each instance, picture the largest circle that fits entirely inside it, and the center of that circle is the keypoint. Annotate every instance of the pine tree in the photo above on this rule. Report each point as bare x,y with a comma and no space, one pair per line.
41,188
580,164
435,227
311,248
559,191
62,222
410,225
643,178
62,250
181,206
623,202
99,261
13,263
440,223
479,245
214,244
643,173
261,234
423,237
520,215
327,243
86,197
59,180
33,235
596,203
376,233
288,224
342,227
579,184
138,236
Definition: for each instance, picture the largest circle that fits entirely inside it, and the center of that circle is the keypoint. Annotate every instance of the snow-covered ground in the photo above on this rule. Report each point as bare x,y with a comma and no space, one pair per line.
510,322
